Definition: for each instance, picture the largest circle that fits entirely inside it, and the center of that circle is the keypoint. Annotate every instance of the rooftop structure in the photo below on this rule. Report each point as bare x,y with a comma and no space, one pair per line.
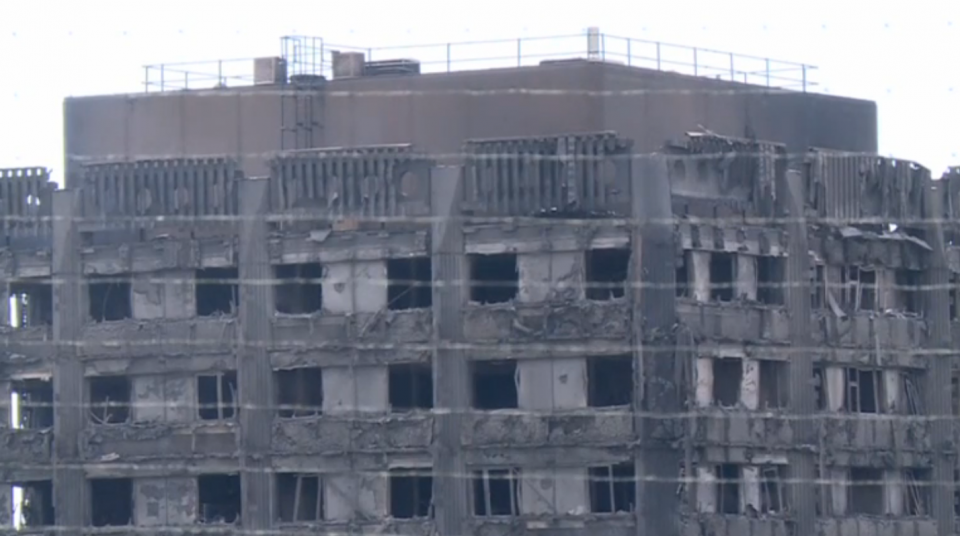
542,330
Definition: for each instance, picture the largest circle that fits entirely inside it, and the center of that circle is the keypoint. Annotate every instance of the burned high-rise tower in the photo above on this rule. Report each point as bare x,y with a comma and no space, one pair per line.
580,296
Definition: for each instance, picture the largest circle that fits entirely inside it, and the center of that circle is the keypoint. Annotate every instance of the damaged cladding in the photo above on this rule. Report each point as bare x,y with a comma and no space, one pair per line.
712,339
350,374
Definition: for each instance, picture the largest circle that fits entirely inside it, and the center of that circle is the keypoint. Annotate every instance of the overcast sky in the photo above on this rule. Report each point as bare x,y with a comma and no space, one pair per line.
903,55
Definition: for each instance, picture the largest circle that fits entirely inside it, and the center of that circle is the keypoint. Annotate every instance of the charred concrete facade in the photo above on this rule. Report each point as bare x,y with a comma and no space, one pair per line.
566,329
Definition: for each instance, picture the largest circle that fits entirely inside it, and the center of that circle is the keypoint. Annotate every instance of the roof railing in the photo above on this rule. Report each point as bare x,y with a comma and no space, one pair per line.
311,55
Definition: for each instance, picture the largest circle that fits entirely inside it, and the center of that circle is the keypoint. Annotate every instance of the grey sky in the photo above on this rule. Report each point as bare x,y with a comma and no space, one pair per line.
896,53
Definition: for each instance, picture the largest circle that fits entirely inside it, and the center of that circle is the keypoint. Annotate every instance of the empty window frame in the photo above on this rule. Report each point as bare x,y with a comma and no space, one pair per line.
493,278
33,401
606,273
818,287
773,388
723,274
36,504
496,492
111,502
409,283
298,288
770,277
109,399
411,493
299,497
410,386
613,488
682,275
217,396
109,297
728,488
727,377
910,388
217,291
494,384
772,489
219,498
610,381
865,491
863,391
819,388
299,392
859,288
908,283
31,302
918,493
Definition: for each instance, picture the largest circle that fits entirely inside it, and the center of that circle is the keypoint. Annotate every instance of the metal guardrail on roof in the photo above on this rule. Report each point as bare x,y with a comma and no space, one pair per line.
311,55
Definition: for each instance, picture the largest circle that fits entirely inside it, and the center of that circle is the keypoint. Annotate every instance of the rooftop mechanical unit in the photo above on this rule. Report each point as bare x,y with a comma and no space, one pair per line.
391,67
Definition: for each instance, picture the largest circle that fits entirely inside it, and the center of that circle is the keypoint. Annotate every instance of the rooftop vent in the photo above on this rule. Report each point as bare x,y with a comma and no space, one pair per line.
269,71
305,81
347,64
391,67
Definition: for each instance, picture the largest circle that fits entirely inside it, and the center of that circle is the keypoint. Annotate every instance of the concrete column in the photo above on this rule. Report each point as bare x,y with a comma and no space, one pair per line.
704,378
361,389
835,388
700,274
893,489
936,281
838,477
654,313
348,497
549,276
451,378
750,384
547,385
746,284
355,287
750,487
706,490
255,376
790,201
69,486
892,381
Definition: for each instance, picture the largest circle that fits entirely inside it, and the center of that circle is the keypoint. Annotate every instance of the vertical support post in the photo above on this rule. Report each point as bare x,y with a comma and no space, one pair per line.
450,365
654,318
254,374
519,52
942,356
733,71
448,57
629,52
658,56
767,61
696,64
69,416
790,199
804,70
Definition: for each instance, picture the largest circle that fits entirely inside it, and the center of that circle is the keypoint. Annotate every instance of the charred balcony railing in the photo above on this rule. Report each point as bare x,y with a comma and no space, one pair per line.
575,175
384,182
864,189
160,194
26,202
715,176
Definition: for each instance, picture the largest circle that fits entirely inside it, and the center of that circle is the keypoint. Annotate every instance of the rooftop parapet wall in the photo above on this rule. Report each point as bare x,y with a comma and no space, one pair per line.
575,174
158,194
851,189
388,181
26,203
